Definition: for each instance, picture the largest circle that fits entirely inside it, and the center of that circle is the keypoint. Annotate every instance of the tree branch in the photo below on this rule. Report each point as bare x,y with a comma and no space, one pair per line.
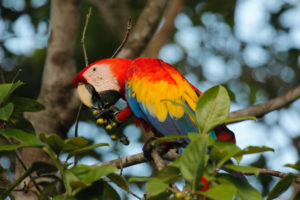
165,32
144,29
271,105
263,171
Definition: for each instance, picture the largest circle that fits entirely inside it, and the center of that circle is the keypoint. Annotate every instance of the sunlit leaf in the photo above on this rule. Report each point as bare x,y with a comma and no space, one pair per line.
87,148
155,187
239,119
139,179
74,143
193,159
244,190
243,169
222,151
212,108
254,149
281,186
11,147
294,166
7,89
6,111
221,192
168,174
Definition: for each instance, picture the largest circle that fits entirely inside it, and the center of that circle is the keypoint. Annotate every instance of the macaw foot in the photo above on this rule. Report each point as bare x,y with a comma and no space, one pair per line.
107,117
162,148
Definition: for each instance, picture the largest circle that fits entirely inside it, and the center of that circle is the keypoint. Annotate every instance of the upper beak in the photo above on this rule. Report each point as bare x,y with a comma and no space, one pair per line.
90,98
84,95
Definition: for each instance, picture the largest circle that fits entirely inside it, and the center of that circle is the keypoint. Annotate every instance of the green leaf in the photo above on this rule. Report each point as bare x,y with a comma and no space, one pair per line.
28,139
254,149
62,197
10,147
169,138
119,181
222,151
155,187
18,121
221,192
239,119
139,179
168,174
186,109
54,142
212,108
88,174
74,143
7,89
281,186
56,162
193,159
99,190
244,190
243,169
294,166
6,111
39,167
23,104
87,148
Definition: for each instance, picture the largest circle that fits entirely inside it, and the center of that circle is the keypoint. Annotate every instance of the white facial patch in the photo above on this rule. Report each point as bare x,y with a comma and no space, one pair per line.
101,77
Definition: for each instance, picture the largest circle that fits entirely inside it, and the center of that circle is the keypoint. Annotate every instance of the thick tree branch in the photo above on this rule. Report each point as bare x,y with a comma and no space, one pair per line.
165,32
144,29
274,104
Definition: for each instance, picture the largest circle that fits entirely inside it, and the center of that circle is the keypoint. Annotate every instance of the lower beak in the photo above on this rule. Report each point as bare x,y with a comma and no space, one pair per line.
92,99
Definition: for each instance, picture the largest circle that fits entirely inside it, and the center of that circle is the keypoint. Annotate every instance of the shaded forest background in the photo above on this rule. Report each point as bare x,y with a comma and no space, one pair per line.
251,47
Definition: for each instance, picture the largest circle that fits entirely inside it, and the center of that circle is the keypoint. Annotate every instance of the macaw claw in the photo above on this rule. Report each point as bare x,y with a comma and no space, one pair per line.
107,117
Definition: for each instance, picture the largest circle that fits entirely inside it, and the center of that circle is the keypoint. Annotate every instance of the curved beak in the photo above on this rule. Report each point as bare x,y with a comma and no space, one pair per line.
90,98
84,95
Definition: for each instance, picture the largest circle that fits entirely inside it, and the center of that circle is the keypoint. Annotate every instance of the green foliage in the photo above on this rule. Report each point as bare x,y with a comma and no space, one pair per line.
212,108
198,166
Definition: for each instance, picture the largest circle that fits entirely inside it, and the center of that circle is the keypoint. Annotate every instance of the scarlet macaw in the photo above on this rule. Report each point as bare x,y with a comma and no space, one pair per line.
146,85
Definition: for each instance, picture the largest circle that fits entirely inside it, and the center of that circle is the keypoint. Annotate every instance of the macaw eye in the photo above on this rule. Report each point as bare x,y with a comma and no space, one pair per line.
94,69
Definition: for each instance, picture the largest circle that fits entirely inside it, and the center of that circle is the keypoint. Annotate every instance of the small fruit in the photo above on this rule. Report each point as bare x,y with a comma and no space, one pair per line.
100,121
113,137
108,127
179,195
114,124
96,112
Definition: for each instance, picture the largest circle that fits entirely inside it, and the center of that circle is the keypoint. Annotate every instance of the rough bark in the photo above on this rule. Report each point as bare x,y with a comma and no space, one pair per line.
165,32
144,29
57,92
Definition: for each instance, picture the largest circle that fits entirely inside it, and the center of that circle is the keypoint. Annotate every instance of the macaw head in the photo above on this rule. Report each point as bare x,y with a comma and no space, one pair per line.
101,84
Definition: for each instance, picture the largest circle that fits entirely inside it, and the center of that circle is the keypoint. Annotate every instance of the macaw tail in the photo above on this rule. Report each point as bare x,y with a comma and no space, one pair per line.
224,134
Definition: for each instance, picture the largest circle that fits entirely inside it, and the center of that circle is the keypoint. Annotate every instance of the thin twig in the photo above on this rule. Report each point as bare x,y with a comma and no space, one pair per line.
133,194
17,75
76,129
124,40
87,19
